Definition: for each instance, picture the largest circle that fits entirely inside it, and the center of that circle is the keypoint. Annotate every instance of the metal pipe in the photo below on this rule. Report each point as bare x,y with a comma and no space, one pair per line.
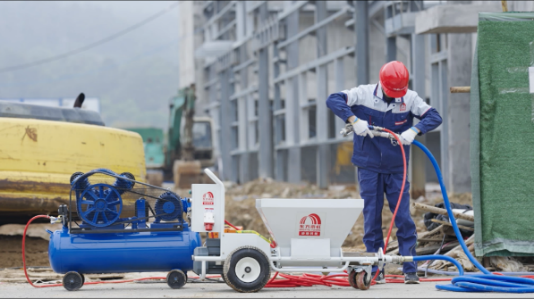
207,258
203,270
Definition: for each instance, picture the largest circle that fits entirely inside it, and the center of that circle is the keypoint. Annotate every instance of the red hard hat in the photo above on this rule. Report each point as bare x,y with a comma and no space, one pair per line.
394,79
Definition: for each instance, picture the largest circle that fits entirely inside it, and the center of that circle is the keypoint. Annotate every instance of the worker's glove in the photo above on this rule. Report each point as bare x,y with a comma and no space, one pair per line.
407,137
360,127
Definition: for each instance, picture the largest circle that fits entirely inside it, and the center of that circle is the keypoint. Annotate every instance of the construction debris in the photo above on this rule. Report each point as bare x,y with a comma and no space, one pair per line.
442,211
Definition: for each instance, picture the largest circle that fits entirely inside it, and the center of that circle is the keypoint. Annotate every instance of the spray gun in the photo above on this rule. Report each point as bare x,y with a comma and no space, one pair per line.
375,130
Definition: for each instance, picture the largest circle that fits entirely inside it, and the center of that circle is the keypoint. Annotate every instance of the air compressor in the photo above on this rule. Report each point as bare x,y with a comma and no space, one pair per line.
97,238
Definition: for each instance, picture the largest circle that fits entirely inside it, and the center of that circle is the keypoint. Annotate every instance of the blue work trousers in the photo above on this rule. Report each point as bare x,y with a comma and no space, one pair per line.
373,187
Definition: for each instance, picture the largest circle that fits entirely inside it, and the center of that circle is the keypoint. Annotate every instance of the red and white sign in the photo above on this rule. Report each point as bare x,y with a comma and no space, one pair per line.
208,198
402,107
310,225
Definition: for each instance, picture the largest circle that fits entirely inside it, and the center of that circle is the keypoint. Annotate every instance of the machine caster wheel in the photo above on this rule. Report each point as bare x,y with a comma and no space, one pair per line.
247,270
83,279
363,280
176,279
352,278
73,281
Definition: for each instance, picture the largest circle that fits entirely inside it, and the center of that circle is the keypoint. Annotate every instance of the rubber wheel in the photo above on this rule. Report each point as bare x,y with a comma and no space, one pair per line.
72,281
83,279
352,278
247,270
364,280
176,279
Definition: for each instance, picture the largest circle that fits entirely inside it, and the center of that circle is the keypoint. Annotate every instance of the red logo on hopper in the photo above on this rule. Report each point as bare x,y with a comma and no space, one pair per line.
310,228
208,199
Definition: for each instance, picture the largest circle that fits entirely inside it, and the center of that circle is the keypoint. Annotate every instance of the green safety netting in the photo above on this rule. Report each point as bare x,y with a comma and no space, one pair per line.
501,118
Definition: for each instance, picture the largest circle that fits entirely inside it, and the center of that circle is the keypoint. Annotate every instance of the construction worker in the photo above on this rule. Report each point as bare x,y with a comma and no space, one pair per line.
389,104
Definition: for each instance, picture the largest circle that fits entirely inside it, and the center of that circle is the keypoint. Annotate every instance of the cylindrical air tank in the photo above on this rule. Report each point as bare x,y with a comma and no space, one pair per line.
122,252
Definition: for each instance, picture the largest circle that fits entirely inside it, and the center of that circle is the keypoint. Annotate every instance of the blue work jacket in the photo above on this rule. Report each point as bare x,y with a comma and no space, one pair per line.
366,103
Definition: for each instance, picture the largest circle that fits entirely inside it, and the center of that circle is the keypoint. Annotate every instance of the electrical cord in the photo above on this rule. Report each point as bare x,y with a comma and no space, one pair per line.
92,45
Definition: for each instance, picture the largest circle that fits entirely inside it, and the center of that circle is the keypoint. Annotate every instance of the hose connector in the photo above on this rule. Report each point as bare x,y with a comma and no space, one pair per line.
54,220
401,259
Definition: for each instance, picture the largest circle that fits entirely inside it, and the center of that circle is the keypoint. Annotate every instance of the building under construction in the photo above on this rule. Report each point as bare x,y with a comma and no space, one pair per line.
263,70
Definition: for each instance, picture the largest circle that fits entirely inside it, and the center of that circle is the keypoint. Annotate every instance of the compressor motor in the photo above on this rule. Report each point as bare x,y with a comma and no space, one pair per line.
105,241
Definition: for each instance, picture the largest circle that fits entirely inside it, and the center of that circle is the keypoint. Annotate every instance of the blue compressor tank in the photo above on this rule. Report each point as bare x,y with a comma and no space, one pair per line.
122,252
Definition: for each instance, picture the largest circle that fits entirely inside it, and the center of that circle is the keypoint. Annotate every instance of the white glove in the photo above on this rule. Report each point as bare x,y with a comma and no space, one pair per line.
360,127
407,137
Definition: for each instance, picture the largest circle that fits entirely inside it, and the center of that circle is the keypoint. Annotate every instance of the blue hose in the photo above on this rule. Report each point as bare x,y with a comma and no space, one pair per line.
486,282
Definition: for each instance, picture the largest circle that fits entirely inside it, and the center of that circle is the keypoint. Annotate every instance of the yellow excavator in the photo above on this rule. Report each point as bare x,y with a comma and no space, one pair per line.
43,146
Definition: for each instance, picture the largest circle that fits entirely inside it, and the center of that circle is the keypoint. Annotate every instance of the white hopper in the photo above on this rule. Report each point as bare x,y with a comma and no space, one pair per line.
309,229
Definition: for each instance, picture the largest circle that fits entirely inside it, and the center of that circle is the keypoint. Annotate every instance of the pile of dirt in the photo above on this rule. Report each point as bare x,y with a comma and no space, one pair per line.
11,251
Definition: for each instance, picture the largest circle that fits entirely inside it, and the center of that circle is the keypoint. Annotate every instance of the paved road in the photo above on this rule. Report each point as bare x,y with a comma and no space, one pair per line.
221,290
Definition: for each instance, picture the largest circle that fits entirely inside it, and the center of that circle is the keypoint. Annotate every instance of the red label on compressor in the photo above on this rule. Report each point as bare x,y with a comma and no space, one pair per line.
208,198
310,225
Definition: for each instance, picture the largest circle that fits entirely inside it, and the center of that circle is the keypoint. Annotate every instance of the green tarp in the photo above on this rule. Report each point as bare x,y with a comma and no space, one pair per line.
501,118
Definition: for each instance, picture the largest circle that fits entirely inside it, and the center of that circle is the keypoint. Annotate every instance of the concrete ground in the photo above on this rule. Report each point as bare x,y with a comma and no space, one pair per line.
221,290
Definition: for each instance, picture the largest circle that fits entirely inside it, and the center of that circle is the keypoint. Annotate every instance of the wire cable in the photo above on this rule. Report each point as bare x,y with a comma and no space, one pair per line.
89,46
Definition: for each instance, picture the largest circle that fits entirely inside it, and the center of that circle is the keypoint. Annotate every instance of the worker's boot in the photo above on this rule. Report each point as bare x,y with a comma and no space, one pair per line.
411,278
380,278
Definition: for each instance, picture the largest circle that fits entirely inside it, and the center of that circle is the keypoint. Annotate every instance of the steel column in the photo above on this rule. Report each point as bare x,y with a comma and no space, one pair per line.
292,103
322,120
225,121
460,68
243,172
265,152
339,78
418,159
362,40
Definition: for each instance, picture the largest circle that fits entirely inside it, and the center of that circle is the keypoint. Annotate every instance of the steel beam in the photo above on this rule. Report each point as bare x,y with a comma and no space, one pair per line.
295,6
315,63
314,27
265,154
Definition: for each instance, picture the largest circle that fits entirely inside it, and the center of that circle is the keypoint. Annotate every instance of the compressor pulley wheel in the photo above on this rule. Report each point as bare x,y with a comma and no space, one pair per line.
176,279
73,281
247,270
100,205
360,280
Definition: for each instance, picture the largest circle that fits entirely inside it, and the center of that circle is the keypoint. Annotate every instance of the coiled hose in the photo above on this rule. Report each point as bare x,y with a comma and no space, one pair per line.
486,282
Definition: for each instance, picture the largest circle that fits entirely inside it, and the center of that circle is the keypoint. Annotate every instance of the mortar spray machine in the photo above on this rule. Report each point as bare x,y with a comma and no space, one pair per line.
308,234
